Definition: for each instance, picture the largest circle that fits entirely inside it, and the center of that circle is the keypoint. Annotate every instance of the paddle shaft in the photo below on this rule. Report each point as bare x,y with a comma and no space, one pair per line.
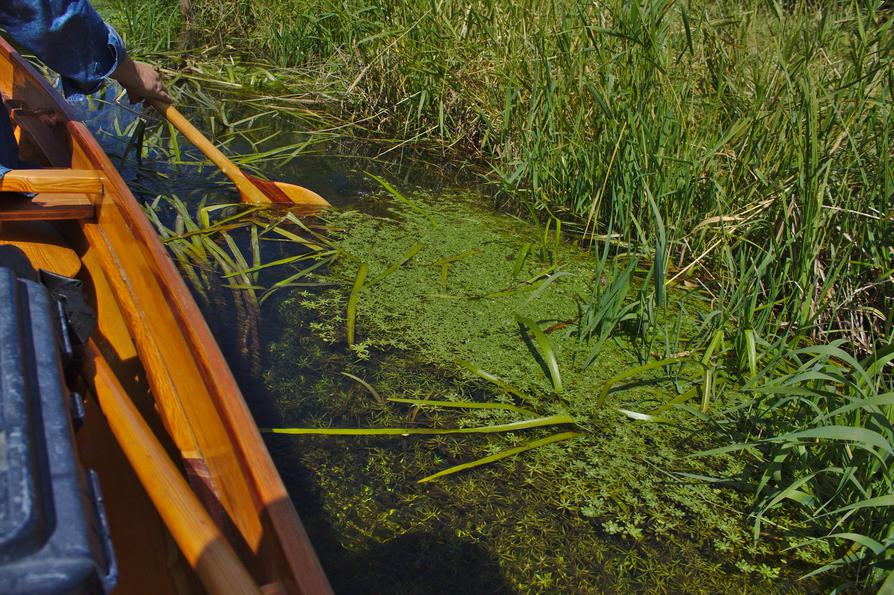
201,542
249,191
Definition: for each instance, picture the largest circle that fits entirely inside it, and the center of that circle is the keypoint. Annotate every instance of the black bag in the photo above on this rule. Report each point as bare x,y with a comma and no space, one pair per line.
54,536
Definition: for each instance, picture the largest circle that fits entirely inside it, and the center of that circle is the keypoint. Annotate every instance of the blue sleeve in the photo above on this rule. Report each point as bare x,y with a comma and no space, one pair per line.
68,36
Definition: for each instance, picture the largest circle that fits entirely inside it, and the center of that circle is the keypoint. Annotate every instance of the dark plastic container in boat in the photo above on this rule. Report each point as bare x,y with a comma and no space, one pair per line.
53,534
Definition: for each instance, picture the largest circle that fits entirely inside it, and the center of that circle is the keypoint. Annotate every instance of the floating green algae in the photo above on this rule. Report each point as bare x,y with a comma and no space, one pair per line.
604,511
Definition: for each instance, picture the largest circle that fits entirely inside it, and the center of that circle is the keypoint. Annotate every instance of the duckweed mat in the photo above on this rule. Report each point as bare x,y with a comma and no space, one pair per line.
450,296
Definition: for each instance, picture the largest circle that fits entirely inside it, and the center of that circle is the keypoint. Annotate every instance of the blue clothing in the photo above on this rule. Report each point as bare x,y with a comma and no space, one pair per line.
69,37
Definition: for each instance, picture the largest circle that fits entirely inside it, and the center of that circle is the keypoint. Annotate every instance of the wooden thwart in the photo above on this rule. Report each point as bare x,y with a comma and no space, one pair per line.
57,181
61,194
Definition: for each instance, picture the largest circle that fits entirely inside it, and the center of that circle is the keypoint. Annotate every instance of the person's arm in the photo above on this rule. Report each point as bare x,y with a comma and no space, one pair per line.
71,38
140,80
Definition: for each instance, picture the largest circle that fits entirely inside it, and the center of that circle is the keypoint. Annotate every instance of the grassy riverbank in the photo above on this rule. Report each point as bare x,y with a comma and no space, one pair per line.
762,130
741,149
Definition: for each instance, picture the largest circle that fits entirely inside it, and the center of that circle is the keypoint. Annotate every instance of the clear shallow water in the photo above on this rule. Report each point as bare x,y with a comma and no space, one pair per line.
497,529
409,559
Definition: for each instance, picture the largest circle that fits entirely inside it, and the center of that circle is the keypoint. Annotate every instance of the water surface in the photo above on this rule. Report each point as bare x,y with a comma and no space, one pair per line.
601,512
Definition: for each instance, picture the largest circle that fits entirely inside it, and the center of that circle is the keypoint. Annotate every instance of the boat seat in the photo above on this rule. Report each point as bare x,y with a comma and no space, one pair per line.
61,194
43,245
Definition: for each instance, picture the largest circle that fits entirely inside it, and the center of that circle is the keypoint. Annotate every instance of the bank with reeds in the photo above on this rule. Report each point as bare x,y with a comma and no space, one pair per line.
762,130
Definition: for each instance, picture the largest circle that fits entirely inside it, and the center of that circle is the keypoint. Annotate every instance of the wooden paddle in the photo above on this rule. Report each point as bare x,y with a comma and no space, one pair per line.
251,189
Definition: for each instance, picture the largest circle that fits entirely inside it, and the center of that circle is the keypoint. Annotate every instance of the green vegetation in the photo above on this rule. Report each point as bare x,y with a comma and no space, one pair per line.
615,490
726,169
761,130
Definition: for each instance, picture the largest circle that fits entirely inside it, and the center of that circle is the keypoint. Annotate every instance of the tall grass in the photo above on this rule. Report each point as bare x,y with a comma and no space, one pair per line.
762,130
820,426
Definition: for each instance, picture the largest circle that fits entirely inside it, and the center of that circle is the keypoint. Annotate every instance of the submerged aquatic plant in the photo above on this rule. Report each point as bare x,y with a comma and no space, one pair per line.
352,301
605,309
526,424
211,257
745,150
545,348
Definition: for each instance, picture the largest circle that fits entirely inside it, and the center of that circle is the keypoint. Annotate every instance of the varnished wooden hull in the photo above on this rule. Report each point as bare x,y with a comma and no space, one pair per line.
163,354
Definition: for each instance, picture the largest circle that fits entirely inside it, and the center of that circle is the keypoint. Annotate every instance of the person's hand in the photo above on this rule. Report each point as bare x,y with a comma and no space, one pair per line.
141,81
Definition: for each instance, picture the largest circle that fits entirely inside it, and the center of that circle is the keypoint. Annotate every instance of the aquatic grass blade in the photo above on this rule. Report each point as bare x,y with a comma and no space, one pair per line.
660,249
751,347
544,285
856,435
396,194
294,237
367,386
859,436
520,259
679,399
707,388
887,587
527,424
629,373
281,261
546,350
493,379
460,404
405,258
353,299
456,257
509,452
292,279
638,416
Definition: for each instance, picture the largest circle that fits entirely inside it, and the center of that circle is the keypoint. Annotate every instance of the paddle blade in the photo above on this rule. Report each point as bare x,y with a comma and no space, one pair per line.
282,193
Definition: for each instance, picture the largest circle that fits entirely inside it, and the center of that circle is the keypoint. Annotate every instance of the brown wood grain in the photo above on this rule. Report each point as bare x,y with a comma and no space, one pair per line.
46,207
201,542
38,134
43,245
58,181
156,566
149,560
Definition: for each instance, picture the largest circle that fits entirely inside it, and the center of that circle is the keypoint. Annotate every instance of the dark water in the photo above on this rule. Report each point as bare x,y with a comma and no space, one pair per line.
358,498
424,561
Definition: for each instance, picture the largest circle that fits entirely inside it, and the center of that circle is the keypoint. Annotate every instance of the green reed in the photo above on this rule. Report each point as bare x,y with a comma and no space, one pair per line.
818,422
771,123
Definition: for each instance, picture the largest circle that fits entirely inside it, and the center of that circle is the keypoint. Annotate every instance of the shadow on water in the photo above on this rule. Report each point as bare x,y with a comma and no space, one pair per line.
437,564
432,561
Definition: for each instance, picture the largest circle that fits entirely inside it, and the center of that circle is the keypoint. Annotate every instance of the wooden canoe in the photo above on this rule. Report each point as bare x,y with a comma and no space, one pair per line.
194,501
